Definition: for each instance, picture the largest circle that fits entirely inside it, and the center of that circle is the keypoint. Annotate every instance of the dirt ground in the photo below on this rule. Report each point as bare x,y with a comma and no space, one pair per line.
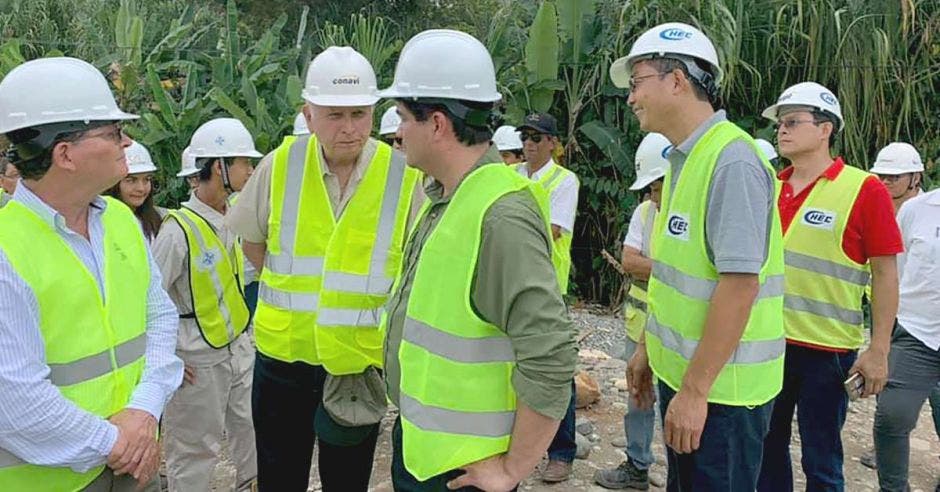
602,335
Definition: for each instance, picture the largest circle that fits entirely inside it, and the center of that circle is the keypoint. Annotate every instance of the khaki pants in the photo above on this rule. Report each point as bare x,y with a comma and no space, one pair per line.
107,482
197,416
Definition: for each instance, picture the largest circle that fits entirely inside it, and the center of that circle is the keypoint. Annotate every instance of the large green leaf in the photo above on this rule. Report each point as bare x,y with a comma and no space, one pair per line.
541,50
610,140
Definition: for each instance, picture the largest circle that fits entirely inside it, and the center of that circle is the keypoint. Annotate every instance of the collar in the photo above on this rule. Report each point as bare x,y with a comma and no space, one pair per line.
365,156
831,173
49,215
435,190
685,148
541,172
202,208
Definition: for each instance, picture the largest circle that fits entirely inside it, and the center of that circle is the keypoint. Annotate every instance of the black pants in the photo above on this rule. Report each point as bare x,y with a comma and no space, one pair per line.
288,418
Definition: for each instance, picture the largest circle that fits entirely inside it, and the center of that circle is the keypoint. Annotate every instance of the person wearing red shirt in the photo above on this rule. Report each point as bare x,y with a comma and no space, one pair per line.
838,224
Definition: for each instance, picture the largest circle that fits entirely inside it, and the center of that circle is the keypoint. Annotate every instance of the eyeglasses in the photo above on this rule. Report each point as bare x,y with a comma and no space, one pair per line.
113,132
534,137
392,140
789,124
635,81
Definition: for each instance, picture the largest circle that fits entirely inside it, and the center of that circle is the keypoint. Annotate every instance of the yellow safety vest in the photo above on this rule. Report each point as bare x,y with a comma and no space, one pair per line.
325,280
634,308
457,401
216,280
684,279
94,347
824,287
551,179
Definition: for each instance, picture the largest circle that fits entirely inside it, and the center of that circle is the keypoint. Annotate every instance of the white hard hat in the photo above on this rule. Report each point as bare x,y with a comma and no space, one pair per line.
189,165
672,38
650,160
56,90
808,94
898,158
390,121
340,76
300,125
767,148
507,138
222,137
138,159
445,64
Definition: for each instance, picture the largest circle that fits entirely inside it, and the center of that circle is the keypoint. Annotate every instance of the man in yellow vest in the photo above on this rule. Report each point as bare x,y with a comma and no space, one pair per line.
87,332
507,142
638,422
480,353
204,273
714,336
325,215
838,225
9,177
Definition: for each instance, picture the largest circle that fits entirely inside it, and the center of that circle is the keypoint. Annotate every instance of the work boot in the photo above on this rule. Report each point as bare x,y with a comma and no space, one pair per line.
625,476
868,459
556,471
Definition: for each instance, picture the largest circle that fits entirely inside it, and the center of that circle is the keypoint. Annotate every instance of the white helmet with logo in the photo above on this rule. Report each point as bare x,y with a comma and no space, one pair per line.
650,160
138,159
340,76
808,94
189,164
300,125
56,90
672,38
390,121
507,138
222,137
898,158
767,148
444,64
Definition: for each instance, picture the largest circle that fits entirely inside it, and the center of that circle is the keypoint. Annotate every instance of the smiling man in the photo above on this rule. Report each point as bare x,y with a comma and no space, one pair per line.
325,216
714,334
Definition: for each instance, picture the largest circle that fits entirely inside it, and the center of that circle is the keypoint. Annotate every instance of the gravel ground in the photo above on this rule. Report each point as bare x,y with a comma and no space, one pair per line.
602,342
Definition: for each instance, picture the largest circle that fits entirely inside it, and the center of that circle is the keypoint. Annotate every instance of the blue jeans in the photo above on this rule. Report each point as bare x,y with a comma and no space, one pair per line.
913,373
813,386
729,453
563,446
638,426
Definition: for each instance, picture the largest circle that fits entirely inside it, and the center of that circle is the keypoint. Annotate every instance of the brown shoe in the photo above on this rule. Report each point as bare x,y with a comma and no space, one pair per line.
556,471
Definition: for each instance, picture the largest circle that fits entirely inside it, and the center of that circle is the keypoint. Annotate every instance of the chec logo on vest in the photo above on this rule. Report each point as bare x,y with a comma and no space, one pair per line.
346,80
675,34
677,226
208,259
820,219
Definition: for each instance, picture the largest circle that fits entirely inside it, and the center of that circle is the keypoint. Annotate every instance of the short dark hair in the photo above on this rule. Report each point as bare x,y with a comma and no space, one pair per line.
33,160
516,152
820,116
466,133
668,65
204,165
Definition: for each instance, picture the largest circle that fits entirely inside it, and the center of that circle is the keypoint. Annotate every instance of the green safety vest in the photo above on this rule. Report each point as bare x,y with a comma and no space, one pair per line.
216,280
551,179
94,347
325,280
684,278
457,402
824,287
634,309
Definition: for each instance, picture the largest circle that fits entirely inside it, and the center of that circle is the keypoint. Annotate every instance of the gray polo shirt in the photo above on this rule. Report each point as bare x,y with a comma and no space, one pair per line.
740,202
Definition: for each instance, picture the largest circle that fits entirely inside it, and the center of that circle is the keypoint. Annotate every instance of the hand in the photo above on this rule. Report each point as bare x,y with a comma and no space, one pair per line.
139,429
148,468
189,374
873,364
685,421
491,475
640,379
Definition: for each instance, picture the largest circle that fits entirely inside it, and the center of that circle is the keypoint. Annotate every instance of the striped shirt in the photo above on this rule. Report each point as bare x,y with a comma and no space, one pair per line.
37,424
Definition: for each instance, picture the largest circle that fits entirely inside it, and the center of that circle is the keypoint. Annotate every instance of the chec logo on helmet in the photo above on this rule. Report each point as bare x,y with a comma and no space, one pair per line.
820,219
675,34
828,98
346,80
784,97
678,227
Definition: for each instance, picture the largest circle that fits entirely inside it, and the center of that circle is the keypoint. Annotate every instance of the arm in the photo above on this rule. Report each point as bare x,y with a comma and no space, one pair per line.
873,363
564,206
255,253
248,219
38,424
636,264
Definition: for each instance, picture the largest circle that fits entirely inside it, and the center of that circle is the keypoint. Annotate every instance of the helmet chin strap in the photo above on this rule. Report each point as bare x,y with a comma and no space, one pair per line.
226,182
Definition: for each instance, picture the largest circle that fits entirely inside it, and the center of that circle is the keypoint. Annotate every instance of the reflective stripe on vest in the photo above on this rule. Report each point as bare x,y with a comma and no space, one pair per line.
457,401
824,287
94,343
216,274
684,279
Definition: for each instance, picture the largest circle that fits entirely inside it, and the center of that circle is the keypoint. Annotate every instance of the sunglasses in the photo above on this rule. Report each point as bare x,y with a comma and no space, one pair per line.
393,140
534,137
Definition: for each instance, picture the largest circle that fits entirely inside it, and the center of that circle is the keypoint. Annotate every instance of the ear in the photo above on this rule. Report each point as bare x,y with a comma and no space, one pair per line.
217,167
827,128
442,125
62,157
682,82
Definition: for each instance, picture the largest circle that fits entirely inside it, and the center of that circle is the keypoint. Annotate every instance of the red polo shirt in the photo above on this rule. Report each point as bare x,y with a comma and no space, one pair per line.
871,230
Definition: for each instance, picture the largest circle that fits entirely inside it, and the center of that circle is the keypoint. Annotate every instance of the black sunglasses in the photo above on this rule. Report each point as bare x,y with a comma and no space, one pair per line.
534,137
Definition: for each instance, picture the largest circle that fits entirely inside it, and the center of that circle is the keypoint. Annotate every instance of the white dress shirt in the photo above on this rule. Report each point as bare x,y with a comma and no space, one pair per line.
919,268
563,199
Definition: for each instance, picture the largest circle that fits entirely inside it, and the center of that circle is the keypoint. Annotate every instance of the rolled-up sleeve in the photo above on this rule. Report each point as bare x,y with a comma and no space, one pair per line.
516,289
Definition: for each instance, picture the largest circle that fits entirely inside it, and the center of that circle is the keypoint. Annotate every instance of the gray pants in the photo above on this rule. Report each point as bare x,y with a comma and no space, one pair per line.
913,373
107,482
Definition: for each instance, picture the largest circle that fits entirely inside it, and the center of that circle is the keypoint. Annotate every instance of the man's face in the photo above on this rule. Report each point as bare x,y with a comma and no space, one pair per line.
97,156
342,130
656,191
239,170
415,138
899,184
9,179
798,133
649,93
509,157
537,147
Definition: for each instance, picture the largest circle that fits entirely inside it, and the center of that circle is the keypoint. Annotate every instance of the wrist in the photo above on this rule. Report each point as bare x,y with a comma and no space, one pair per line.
514,469
694,388
879,349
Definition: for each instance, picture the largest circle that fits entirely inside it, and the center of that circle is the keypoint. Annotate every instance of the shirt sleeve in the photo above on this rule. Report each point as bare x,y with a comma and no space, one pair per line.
38,424
249,217
740,210
163,370
872,223
564,203
634,237
517,290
